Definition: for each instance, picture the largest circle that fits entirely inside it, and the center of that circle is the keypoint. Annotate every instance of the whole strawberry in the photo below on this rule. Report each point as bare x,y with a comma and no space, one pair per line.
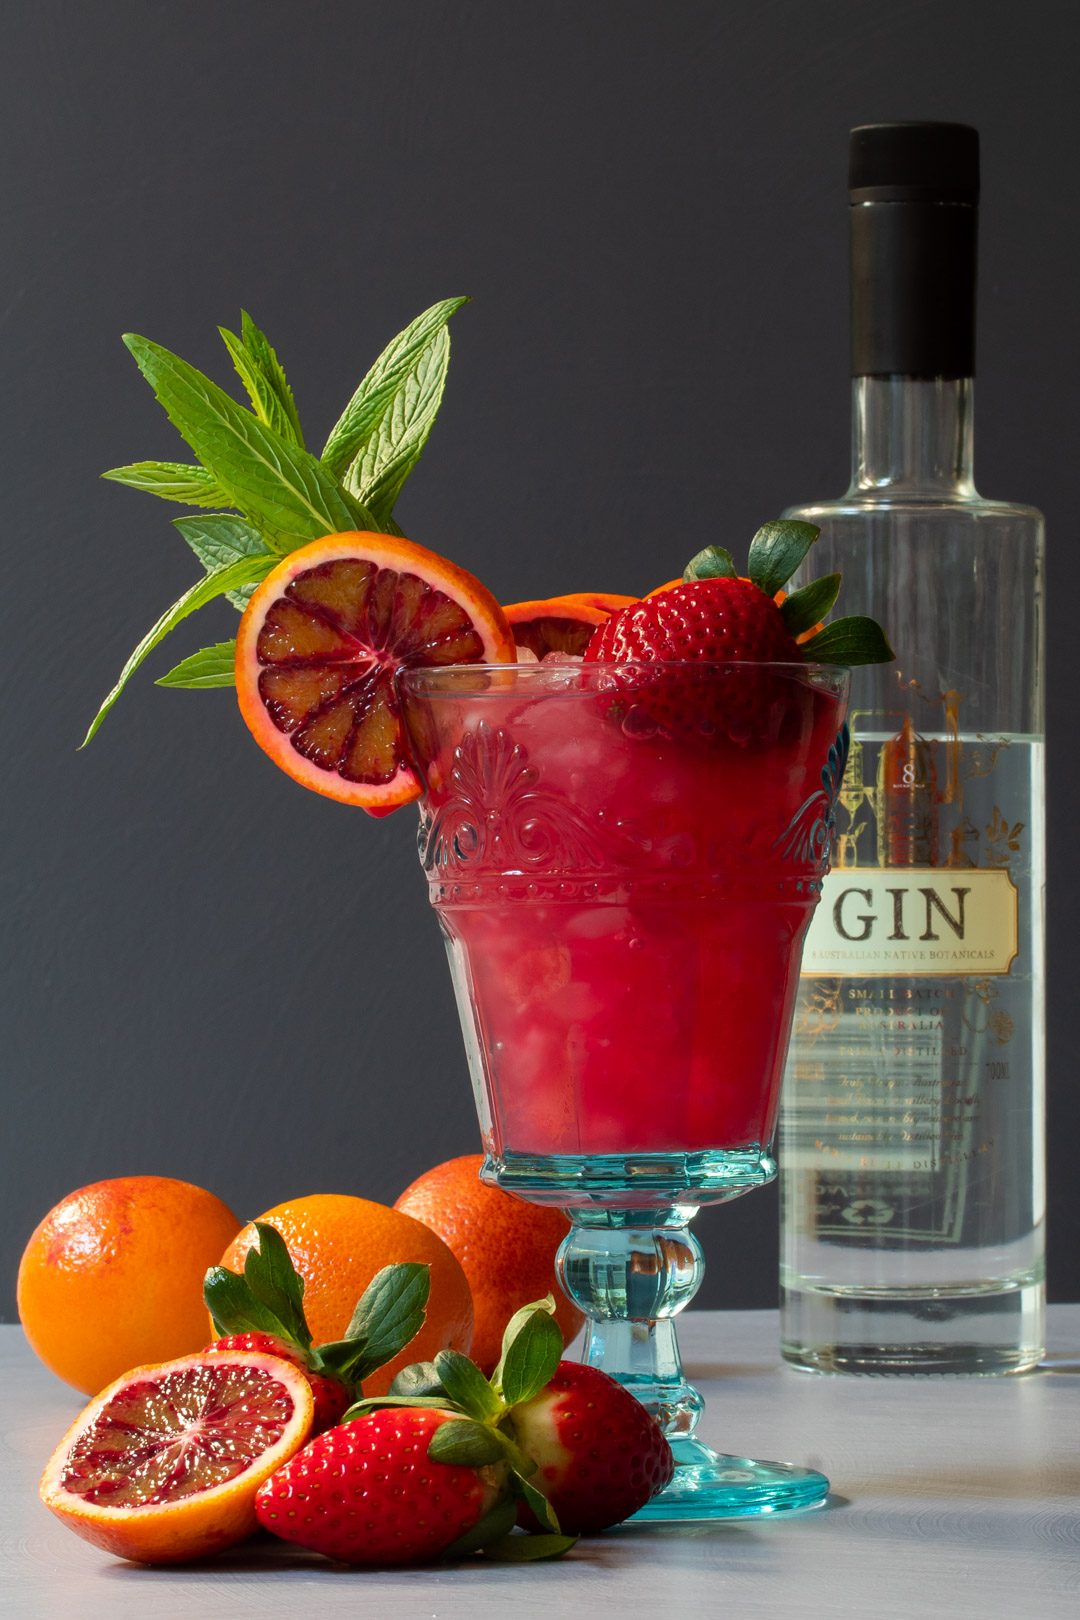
718,618
367,1492
574,1449
332,1397
600,1455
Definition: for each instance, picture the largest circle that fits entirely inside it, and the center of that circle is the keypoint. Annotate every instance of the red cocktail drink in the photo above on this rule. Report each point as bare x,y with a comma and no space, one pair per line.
625,907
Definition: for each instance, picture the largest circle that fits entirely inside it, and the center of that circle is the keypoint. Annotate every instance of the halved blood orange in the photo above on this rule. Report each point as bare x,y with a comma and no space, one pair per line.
555,624
321,641
163,1466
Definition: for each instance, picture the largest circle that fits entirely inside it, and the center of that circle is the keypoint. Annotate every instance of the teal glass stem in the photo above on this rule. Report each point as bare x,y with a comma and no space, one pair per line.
631,1268
630,1272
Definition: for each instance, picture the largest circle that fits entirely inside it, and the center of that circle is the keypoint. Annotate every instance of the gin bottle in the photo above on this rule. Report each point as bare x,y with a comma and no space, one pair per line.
911,1139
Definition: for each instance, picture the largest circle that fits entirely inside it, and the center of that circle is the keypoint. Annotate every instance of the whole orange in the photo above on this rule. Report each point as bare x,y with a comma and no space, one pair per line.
337,1244
506,1247
112,1277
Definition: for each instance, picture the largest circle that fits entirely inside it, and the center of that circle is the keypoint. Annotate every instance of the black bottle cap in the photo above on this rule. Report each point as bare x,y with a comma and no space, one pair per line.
914,219
895,161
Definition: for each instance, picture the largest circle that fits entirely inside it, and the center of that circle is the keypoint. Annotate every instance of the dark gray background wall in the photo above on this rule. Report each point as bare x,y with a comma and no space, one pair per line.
210,973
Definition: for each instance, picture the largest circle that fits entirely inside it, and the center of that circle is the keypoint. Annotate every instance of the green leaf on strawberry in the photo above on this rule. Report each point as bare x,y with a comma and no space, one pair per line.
810,603
493,1527
777,550
466,1385
469,1444
275,1282
419,1378
855,640
528,1549
712,563
536,1501
532,1349
269,1299
232,1306
388,1315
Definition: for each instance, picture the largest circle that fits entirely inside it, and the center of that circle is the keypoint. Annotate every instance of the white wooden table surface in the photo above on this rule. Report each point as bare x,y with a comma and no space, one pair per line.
952,1497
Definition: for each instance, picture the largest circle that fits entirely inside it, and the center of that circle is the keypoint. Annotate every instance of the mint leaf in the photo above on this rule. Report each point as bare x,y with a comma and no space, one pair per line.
257,345
712,563
808,606
518,1549
263,386
468,1444
212,666
537,1501
243,572
373,397
219,538
275,1282
289,495
855,640
494,1526
233,1307
419,1378
777,550
466,1385
393,447
172,480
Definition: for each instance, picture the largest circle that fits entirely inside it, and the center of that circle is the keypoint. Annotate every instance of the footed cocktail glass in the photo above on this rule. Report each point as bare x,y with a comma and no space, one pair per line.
624,860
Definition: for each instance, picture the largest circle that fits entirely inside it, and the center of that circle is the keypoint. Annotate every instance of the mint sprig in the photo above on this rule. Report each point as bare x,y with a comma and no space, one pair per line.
255,462
173,481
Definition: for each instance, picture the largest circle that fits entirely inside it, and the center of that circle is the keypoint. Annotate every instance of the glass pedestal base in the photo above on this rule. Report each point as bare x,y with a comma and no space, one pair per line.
708,1485
631,1263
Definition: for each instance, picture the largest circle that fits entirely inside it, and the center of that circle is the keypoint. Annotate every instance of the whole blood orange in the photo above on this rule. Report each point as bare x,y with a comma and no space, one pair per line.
320,645
112,1277
506,1247
337,1243
164,1465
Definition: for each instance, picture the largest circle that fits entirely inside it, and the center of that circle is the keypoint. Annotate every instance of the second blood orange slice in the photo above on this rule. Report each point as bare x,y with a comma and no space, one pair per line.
321,642
562,624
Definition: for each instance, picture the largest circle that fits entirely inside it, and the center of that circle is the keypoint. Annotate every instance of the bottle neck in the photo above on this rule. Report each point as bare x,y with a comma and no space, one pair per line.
912,436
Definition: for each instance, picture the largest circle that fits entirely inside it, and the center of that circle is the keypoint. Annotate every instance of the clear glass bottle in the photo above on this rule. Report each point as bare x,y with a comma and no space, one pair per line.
912,1127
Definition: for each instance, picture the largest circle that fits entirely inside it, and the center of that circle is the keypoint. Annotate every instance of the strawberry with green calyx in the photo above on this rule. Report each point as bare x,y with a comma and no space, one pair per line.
370,1491
582,1454
264,1310
720,615
429,1470
717,616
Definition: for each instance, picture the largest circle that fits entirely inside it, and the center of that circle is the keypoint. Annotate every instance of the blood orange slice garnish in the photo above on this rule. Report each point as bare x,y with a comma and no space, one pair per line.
163,1466
561,624
320,644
